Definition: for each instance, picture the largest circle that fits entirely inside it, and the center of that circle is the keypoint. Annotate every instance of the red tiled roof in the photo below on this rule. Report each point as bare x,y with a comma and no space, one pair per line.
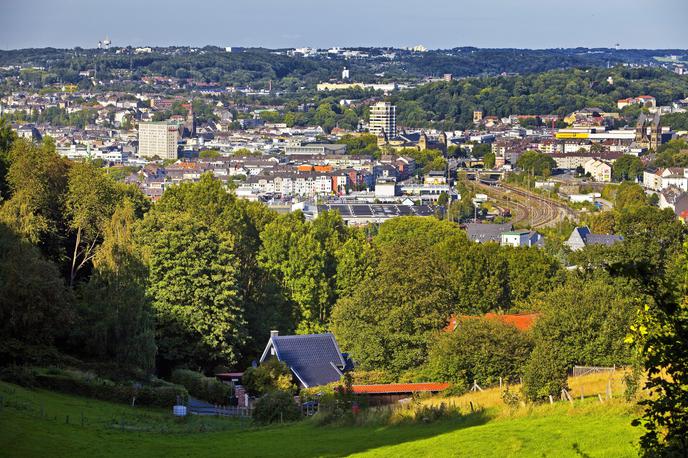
394,388
522,322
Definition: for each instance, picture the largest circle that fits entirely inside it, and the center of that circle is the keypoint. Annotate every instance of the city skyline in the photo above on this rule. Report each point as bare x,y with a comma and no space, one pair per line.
438,24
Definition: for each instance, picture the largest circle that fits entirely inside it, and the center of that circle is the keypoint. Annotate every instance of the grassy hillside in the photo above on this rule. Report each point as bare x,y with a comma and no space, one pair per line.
33,423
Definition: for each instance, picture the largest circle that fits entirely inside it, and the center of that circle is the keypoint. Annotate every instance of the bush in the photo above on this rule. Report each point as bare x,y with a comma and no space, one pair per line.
545,374
272,375
19,375
206,388
89,385
373,377
276,406
481,350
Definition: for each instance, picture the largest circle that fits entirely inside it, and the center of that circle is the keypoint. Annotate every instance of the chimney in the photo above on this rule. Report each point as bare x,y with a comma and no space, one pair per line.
274,333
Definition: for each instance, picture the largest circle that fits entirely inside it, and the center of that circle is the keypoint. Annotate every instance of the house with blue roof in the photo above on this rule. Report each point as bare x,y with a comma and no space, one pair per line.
582,237
314,359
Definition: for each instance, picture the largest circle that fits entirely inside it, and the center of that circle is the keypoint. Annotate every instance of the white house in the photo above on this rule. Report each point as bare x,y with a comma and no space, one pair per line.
598,170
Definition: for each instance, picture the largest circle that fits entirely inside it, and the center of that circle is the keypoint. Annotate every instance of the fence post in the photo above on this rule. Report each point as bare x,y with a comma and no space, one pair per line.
599,396
500,383
609,389
551,400
582,390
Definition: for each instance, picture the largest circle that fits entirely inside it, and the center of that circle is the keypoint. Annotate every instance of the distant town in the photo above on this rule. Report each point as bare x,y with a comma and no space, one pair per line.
173,130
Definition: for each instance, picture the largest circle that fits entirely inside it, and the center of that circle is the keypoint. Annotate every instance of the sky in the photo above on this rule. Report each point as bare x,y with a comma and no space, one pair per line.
325,23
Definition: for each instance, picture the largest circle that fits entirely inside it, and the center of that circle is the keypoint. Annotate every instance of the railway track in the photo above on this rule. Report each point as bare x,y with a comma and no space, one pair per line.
528,208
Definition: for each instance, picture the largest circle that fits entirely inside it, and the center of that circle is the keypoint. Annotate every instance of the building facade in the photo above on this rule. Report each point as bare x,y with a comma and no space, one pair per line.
158,139
383,118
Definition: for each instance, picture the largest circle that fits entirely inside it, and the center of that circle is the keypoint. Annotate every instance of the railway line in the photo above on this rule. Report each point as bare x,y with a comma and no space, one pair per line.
528,209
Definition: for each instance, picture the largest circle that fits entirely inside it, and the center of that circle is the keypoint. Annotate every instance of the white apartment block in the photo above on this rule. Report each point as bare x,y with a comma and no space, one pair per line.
300,184
663,178
158,139
599,170
383,116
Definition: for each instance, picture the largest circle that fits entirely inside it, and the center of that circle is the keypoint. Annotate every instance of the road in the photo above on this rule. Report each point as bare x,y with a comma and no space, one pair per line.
528,208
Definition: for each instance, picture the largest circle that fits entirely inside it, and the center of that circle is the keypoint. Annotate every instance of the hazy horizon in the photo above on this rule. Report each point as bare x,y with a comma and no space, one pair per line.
436,24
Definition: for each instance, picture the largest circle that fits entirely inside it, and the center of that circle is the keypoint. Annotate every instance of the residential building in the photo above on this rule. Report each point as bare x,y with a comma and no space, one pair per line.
574,160
675,199
483,233
582,237
642,100
314,149
383,119
158,139
385,188
664,178
314,359
598,170
521,238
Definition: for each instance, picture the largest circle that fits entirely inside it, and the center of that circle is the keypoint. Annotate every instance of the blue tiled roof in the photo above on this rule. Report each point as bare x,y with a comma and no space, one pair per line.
478,232
602,239
315,359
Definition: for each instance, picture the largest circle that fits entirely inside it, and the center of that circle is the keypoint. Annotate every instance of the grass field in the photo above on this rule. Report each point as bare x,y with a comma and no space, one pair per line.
33,423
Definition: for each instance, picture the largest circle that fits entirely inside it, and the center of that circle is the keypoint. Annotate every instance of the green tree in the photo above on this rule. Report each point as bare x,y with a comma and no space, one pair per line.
480,278
7,137
489,160
35,306
545,373
587,320
539,164
37,180
388,321
90,201
272,375
209,154
629,195
659,336
627,167
117,318
194,291
302,258
481,350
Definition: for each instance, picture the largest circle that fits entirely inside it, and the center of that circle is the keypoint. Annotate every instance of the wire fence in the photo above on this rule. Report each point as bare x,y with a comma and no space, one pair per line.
587,370
125,418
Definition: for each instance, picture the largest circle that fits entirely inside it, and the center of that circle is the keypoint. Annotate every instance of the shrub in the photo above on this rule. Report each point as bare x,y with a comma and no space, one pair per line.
545,374
481,350
272,375
274,407
19,375
373,377
206,388
510,398
88,385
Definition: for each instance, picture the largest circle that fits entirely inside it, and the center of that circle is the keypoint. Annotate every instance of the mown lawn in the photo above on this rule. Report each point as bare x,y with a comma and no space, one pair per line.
589,429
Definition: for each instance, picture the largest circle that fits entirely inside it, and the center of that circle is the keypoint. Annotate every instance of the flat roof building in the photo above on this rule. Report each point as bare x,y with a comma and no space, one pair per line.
383,117
158,139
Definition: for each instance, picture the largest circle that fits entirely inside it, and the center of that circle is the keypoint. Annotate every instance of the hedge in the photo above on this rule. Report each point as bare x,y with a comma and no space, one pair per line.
205,388
87,385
